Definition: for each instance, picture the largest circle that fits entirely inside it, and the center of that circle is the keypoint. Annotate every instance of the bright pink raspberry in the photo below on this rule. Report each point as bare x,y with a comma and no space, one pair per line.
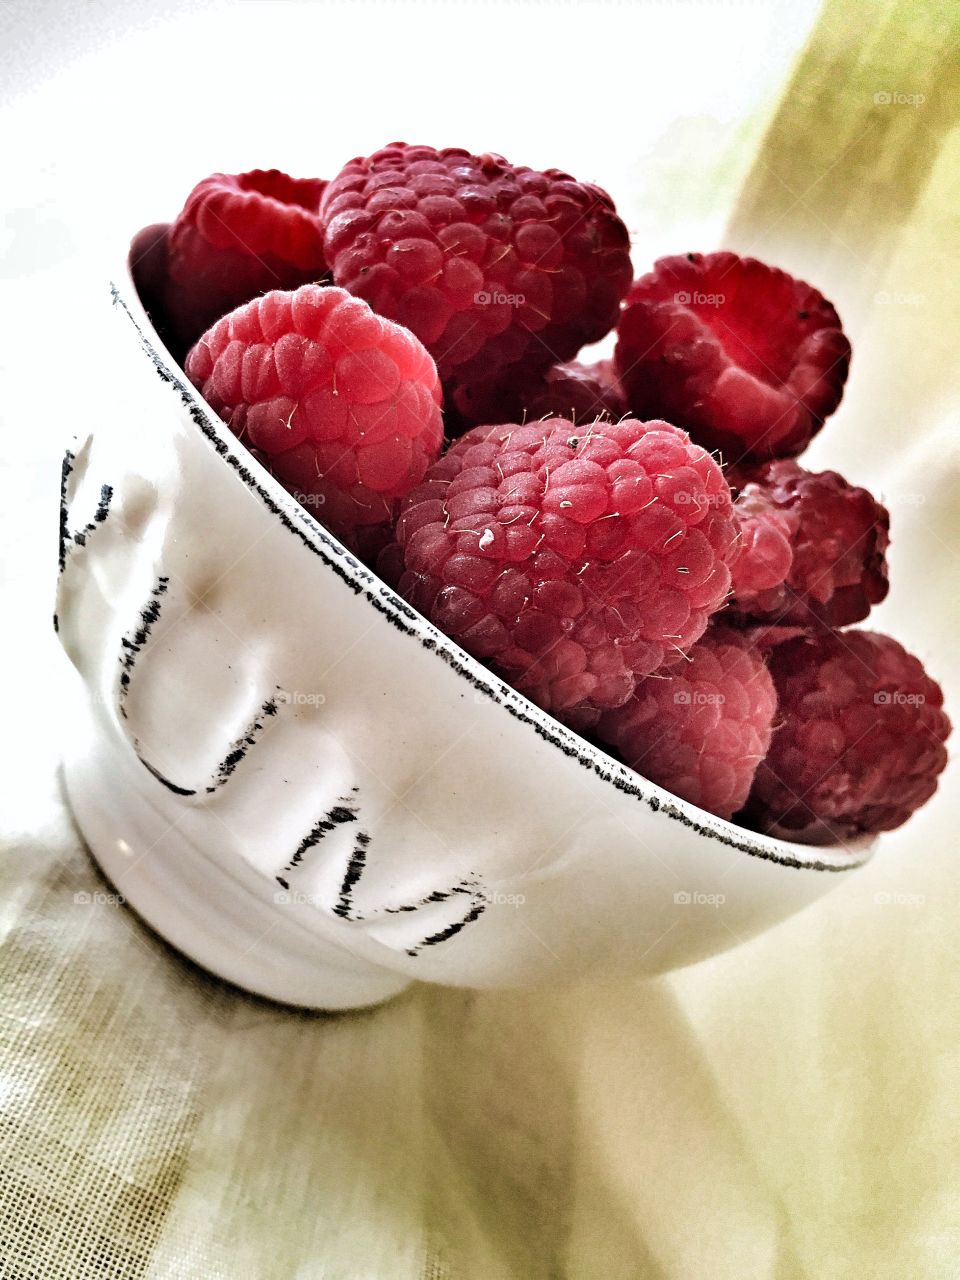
743,356
499,270
813,548
859,743
342,405
237,236
700,726
572,559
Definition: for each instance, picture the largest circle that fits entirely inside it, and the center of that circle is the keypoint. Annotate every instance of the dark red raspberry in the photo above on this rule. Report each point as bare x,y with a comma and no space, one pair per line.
741,355
499,270
571,559
738,474
240,235
342,405
813,548
580,392
148,267
859,743
700,726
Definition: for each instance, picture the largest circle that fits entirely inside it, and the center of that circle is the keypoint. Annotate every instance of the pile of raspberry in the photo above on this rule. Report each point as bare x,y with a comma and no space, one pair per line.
631,542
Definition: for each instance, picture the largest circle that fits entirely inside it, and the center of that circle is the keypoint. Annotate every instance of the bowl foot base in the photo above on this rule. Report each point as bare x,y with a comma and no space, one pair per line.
226,923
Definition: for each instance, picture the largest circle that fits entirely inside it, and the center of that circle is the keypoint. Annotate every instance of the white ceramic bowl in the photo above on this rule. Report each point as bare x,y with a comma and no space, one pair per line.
305,787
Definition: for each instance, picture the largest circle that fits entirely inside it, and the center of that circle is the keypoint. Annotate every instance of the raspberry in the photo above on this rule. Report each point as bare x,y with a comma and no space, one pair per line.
240,235
579,392
860,740
813,548
766,550
148,267
570,559
741,355
499,270
342,405
737,474
699,727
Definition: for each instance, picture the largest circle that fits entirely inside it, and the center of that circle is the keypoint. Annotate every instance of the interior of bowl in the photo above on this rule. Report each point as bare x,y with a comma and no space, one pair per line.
549,732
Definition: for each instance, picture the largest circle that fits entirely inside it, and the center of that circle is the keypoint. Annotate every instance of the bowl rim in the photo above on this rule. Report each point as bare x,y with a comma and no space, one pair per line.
844,856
